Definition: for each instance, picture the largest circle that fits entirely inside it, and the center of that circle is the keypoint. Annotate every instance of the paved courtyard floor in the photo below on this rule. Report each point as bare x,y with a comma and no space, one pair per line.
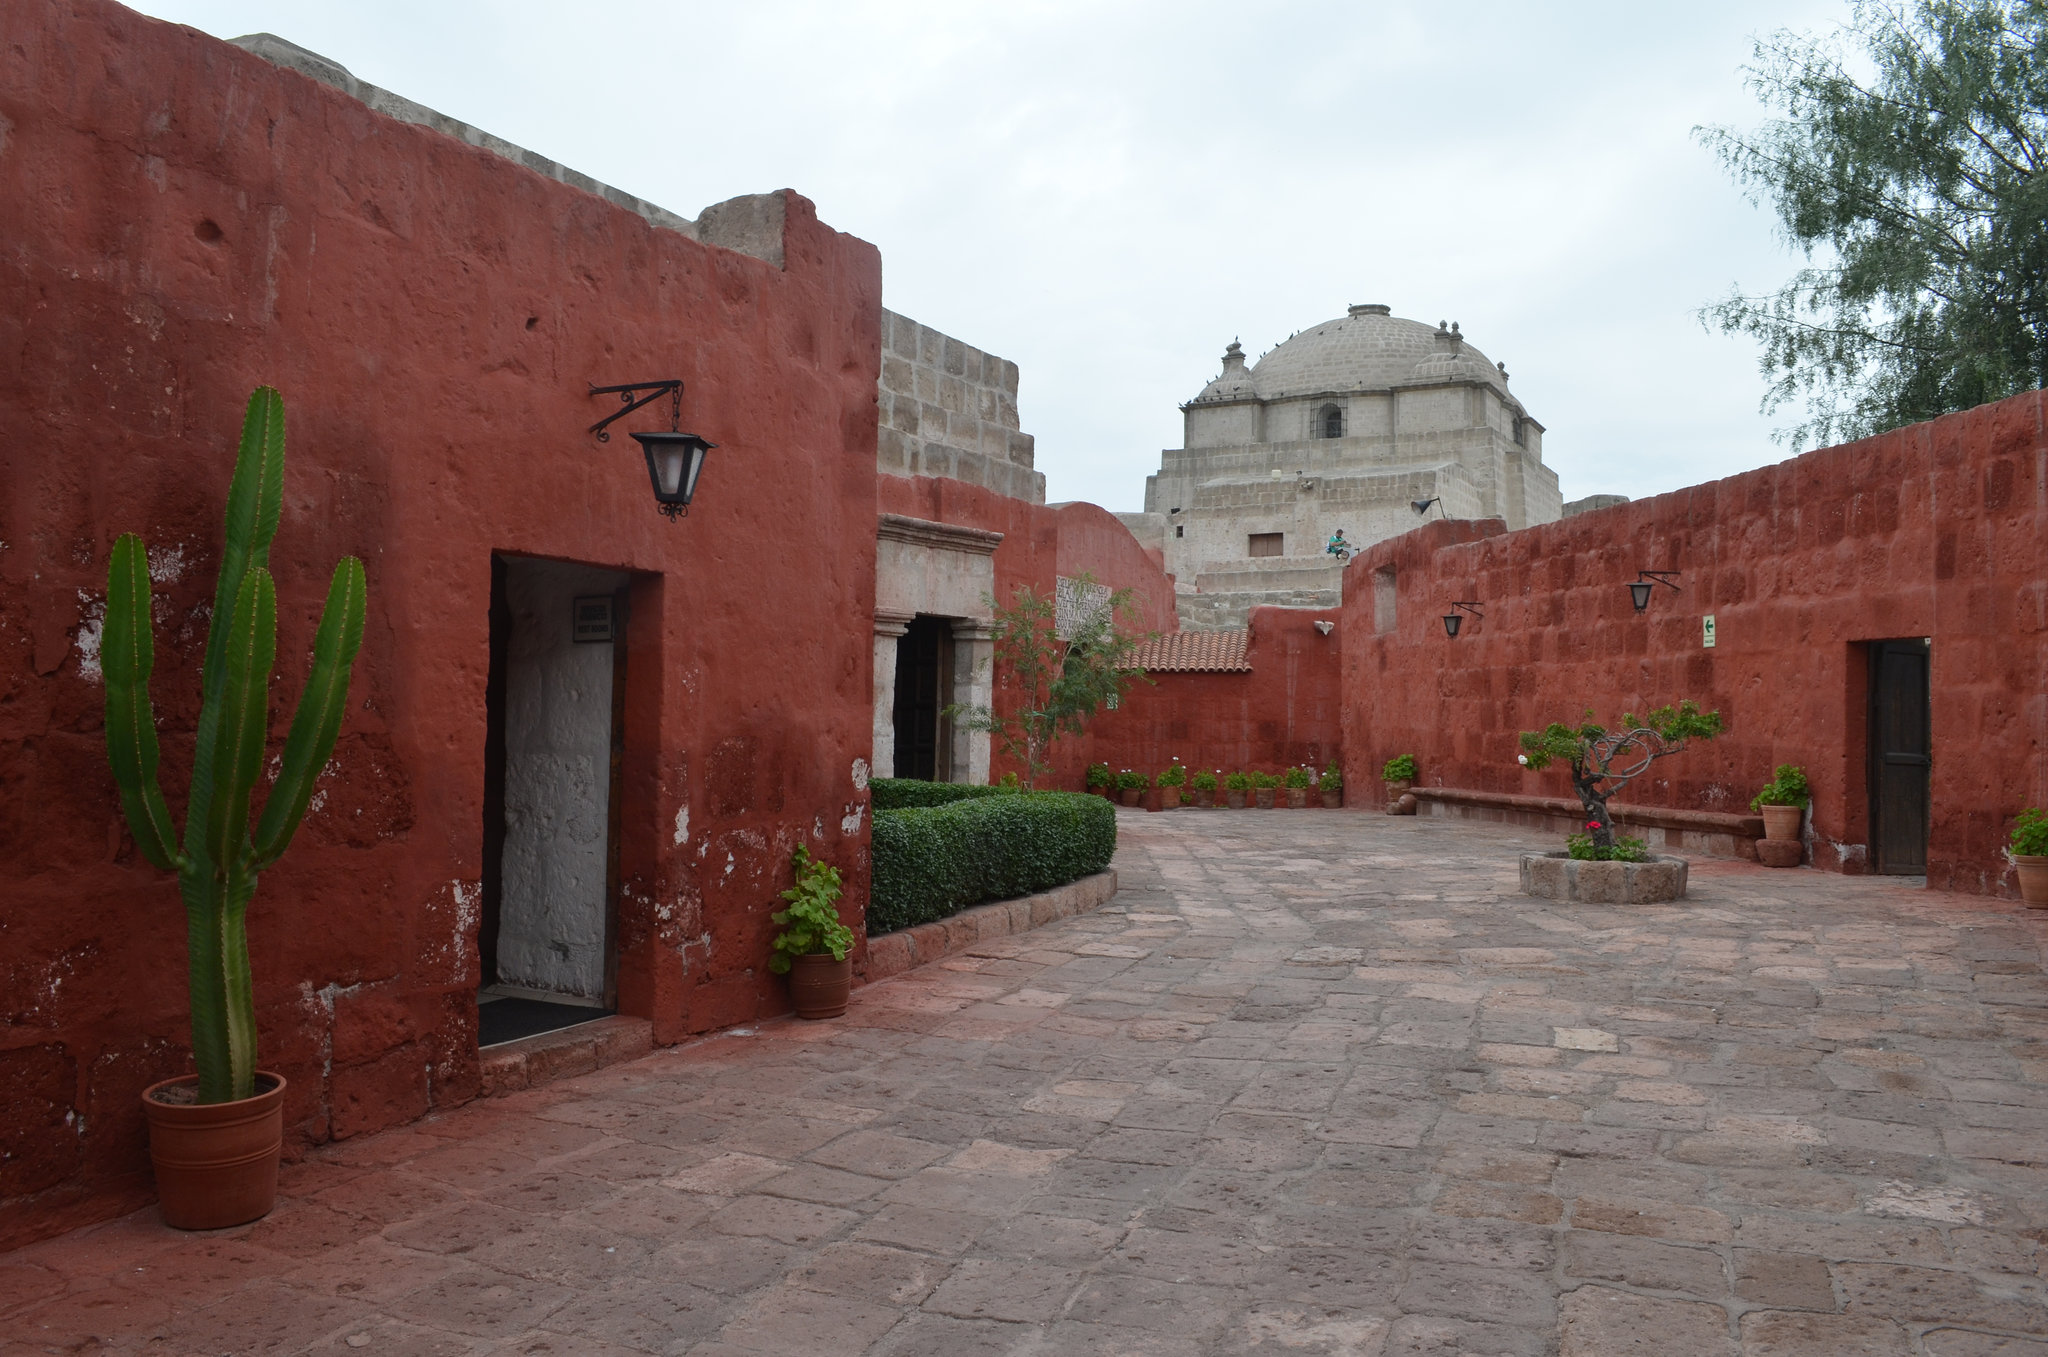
1314,1082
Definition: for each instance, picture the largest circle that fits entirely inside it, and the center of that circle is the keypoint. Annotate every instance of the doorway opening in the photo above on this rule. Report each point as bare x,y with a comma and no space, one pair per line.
1900,756
553,738
924,688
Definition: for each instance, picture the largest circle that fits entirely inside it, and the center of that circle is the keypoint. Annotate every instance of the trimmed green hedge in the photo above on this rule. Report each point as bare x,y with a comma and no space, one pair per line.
934,861
901,793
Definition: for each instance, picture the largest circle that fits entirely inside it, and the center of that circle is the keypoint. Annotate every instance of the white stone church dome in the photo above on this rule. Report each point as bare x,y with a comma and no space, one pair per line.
1235,383
1368,349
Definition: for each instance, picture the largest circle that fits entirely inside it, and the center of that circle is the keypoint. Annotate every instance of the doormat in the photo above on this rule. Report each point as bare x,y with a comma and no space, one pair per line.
501,1020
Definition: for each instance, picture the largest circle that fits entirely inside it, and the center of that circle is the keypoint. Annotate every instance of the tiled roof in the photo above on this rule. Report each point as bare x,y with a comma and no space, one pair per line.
1195,652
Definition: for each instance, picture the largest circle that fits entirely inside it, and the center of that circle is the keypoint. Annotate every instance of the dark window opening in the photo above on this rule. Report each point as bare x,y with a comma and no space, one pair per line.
1269,544
924,664
1179,530
1330,422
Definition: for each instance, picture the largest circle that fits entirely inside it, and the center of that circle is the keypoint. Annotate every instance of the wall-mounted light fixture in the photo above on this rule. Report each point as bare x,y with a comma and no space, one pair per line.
1647,580
674,459
1421,506
1452,621
1325,627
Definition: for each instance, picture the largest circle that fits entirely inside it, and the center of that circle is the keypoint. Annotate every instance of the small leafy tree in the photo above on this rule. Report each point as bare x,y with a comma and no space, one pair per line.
1602,762
1054,687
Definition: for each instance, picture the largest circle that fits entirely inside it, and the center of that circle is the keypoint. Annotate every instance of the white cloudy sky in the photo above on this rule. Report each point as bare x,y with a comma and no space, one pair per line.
1108,191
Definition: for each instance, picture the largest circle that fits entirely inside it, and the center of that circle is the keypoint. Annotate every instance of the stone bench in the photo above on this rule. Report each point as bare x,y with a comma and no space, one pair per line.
1713,833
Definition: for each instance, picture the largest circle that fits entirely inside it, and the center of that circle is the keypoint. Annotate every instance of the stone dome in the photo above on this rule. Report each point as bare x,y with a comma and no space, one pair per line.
1236,383
1369,349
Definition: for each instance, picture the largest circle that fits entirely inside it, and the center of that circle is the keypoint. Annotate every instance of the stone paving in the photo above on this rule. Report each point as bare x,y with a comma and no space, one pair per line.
1314,1082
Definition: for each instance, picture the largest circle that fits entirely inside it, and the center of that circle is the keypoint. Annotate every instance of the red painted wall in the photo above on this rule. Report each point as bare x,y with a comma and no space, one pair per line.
184,221
1939,530
1286,711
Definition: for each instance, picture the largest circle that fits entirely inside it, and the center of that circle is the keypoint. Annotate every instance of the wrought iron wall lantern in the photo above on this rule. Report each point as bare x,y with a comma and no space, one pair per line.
674,459
1648,580
1452,620
1421,506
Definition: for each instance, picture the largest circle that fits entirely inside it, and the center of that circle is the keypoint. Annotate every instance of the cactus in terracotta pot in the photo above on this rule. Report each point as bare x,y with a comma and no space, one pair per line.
221,853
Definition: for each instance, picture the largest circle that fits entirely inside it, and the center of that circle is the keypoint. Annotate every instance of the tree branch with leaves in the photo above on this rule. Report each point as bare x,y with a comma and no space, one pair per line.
1602,762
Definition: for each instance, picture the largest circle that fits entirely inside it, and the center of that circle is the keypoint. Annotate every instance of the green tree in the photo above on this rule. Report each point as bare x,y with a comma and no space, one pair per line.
1907,168
1602,761
1046,686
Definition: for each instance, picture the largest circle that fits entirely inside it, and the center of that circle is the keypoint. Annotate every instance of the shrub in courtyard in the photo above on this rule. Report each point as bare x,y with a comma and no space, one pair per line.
1602,762
1100,779
1173,776
1264,782
1787,787
810,926
1129,781
934,861
1400,768
1237,782
2030,834
1333,778
1204,781
1295,778
898,793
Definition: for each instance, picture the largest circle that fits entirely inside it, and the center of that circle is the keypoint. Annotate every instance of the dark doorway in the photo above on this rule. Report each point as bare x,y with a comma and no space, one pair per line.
1901,756
924,682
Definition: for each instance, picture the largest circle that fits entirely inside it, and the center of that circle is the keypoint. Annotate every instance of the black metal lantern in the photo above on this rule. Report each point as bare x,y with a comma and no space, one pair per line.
1454,620
1421,506
1646,581
674,459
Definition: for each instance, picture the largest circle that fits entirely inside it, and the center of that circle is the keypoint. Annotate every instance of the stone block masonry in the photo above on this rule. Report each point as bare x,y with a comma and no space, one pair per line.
950,410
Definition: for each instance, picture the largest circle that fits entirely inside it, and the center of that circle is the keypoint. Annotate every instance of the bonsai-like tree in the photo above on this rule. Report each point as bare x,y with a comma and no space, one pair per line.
1054,686
1602,762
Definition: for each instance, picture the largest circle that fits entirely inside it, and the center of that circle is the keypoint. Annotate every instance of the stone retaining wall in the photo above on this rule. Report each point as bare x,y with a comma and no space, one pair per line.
895,953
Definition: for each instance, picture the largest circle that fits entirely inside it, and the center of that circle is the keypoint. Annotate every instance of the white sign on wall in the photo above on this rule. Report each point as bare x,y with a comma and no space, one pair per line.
1707,631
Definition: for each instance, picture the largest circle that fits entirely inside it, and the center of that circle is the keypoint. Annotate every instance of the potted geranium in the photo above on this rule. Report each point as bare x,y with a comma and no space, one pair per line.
1398,774
1235,785
1595,865
1783,802
2030,856
1171,779
1331,785
1296,781
813,947
1263,787
216,1136
1204,785
1130,787
1101,781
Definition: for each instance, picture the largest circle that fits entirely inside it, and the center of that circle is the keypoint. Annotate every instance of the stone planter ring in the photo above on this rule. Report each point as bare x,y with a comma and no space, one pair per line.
1556,876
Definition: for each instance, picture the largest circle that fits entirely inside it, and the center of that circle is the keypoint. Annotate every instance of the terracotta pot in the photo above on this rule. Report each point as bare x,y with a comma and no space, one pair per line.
1333,800
1235,799
1169,798
1205,798
2033,879
1297,797
1783,822
818,985
1396,789
1264,796
216,1163
1131,796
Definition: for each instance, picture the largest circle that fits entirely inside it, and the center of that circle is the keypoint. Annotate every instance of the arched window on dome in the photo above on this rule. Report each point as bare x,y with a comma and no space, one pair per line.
1330,421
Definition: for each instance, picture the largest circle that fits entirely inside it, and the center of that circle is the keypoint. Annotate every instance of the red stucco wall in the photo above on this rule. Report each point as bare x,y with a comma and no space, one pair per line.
1939,530
183,221
1284,712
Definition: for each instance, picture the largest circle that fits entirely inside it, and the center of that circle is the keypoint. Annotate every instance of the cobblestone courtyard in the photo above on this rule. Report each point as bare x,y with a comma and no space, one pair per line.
1312,1083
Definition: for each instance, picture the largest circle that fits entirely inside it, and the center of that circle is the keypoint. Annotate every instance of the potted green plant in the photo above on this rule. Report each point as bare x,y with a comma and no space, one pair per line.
1331,784
1235,786
215,1136
2030,856
1296,780
1263,787
812,948
1204,785
1399,774
1783,802
1131,787
1101,781
1171,780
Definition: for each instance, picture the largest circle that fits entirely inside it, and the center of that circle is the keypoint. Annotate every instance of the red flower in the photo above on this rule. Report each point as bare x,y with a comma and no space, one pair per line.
1592,824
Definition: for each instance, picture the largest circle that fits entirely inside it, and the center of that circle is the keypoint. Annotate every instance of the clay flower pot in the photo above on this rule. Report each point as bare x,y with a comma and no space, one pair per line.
1235,799
1333,800
1783,822
1169,798
2033,873
1264,796
216,1163
1204,799
1131,796
1297,798
819,986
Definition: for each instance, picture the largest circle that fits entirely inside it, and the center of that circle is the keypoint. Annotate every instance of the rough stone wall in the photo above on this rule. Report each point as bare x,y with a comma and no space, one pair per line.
950,410
184,221
1284,712
1939,530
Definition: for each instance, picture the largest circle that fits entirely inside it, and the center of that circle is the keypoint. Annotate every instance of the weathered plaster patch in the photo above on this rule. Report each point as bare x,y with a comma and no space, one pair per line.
92,621
167,565
682,825
860,775
849,825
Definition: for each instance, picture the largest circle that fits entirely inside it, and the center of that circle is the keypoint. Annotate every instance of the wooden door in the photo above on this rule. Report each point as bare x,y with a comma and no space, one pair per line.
1901,756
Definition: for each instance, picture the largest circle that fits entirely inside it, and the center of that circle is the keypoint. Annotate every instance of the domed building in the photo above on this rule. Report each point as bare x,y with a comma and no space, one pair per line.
1346,425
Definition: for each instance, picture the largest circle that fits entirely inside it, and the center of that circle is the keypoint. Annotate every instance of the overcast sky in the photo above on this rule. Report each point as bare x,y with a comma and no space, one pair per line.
1108,192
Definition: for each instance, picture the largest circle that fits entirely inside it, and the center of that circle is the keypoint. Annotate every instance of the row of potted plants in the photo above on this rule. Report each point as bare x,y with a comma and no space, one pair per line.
1178,786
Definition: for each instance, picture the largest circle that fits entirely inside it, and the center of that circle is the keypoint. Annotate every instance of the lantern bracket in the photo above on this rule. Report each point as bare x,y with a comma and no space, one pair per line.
626,392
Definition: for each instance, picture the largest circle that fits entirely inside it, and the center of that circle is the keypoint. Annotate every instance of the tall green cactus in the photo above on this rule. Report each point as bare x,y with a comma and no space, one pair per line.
220,857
